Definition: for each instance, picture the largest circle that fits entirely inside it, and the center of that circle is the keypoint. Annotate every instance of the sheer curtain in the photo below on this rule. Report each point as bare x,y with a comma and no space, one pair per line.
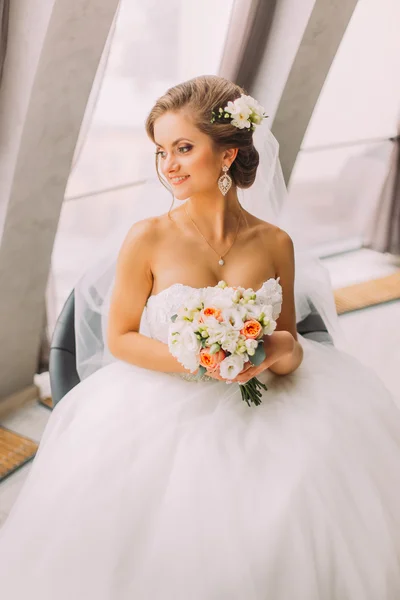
151,46
383,234
4,15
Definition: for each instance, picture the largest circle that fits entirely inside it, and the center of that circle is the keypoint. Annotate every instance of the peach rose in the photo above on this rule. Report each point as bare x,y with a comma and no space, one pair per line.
251,329
211,361
213,312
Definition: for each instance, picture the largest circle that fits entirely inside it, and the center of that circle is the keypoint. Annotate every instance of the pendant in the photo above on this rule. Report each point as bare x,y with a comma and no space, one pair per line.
221,262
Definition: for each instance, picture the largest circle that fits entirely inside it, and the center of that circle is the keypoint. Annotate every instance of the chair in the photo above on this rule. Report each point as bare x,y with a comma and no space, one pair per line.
62,361
62,364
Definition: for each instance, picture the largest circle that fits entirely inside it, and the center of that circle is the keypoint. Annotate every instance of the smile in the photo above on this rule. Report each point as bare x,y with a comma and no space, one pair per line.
178,180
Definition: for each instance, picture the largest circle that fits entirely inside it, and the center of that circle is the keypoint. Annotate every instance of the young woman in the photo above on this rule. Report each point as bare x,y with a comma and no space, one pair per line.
153,483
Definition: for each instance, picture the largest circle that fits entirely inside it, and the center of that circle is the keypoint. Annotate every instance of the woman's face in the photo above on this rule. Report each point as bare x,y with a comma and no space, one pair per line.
186,156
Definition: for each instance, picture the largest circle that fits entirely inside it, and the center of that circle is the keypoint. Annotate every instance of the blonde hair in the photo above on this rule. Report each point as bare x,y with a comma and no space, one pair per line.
201,96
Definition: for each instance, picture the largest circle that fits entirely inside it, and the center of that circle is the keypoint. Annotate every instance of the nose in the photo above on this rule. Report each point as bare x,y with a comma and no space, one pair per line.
170,164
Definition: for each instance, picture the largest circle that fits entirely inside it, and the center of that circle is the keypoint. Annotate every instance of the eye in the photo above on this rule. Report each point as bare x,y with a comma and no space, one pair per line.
160,153
185,149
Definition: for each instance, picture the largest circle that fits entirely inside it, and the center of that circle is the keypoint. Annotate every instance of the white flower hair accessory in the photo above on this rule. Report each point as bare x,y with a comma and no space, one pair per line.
244,113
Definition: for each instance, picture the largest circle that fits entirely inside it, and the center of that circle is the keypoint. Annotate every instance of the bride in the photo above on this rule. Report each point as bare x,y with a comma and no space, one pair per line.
153,483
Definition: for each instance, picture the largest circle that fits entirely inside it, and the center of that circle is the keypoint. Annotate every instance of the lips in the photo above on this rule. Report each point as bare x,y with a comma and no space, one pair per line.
179,180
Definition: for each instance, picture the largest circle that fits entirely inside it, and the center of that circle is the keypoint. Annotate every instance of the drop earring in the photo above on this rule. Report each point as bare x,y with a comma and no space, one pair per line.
225,181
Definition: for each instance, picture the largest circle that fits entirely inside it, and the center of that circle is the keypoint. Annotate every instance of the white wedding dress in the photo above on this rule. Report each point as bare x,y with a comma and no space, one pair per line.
148,486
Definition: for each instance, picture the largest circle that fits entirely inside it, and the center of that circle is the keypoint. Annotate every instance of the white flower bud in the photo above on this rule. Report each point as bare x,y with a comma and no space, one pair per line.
215,348
236,296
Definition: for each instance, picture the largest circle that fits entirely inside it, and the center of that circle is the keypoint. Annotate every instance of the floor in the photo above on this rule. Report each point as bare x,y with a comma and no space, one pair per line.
372,335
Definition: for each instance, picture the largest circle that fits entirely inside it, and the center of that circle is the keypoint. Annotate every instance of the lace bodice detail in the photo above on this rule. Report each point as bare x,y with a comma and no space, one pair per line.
162,306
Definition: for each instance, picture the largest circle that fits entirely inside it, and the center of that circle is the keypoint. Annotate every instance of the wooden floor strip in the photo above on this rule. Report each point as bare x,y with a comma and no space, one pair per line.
47,402
368,293
15,451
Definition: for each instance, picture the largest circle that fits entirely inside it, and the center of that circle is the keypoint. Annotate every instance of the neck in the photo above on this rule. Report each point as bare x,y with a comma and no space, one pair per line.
215,214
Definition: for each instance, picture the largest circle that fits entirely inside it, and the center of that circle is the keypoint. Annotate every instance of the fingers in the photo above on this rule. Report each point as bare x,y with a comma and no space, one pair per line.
215,375
245,377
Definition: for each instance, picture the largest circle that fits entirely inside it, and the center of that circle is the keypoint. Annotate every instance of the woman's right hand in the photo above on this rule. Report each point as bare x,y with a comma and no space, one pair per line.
216,374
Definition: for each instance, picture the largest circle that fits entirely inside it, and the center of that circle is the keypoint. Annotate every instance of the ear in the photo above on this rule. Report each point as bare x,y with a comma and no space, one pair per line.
230,154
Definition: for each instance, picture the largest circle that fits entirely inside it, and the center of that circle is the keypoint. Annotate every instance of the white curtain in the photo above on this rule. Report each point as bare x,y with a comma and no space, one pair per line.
383,234
4,15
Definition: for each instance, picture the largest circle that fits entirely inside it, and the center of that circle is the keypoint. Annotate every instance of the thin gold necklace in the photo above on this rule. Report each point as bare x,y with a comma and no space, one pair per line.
221,261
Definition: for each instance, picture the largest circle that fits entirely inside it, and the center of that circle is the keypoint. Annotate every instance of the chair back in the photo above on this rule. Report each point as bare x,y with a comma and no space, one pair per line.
62,362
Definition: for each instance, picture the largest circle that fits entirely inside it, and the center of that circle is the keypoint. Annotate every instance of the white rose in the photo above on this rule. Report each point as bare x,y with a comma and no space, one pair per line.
231,366
230,339
235,316
184,345
255,310
215,329
251,344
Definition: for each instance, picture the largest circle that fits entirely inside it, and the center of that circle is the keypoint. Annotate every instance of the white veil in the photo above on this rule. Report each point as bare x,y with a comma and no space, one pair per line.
265,199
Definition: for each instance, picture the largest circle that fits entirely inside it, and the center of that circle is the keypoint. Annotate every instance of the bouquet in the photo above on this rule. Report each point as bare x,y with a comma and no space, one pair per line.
221,329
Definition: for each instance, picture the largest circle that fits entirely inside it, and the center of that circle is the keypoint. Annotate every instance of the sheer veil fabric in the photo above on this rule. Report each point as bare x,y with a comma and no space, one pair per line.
265,199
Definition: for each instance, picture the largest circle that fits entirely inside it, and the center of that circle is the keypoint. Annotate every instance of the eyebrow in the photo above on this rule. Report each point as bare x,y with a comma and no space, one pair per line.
175,142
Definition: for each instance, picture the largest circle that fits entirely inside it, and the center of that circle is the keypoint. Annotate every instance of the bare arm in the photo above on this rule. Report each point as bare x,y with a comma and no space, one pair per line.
133,284
284,343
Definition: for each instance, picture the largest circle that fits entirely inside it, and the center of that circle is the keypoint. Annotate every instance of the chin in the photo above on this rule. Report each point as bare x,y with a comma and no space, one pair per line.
182,194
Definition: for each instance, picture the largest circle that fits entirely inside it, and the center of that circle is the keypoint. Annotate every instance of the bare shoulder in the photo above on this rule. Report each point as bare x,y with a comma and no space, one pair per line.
144,231
282,251
271,235
141,237
283,241
275,242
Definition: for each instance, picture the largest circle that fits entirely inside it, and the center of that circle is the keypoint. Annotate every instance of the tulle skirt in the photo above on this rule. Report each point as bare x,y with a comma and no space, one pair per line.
150,487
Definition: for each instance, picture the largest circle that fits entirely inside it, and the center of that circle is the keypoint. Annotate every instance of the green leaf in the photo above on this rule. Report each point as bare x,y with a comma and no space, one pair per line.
200,372
173,318
259,355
